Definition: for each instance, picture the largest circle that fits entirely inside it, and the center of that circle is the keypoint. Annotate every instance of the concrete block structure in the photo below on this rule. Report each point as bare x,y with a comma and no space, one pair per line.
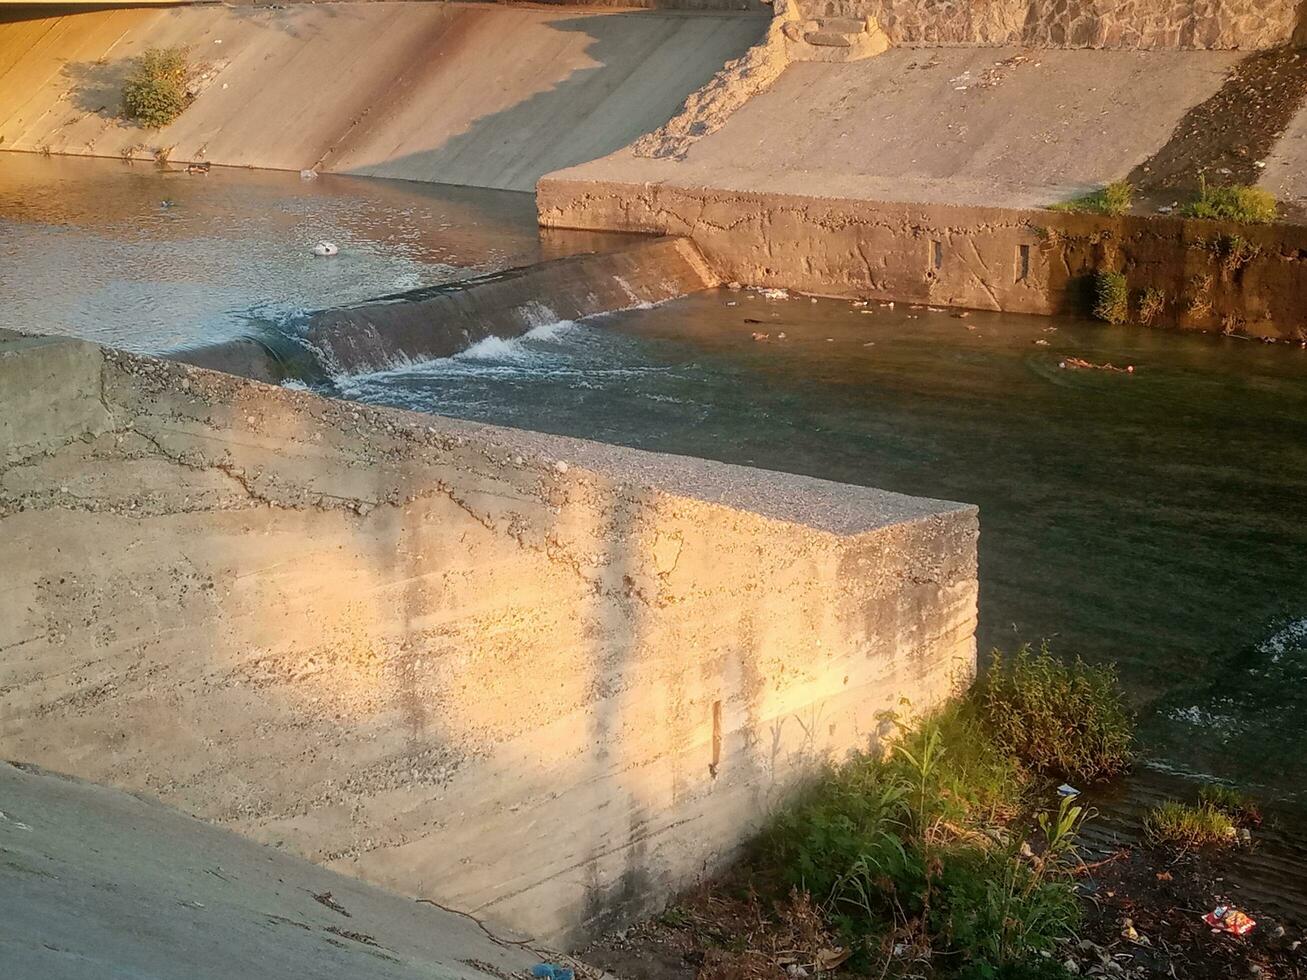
540,680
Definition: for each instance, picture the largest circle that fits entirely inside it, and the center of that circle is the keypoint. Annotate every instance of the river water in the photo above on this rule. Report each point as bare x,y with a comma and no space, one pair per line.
1157,519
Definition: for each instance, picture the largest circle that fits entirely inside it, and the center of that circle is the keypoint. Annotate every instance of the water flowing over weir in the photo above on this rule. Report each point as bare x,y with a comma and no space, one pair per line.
441,321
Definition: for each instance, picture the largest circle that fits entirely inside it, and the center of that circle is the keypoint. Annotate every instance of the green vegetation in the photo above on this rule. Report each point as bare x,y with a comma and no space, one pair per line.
1111,297
1114,200
1240,808
938,846
1152,304
155,92
1236,202
1063,720
1180,825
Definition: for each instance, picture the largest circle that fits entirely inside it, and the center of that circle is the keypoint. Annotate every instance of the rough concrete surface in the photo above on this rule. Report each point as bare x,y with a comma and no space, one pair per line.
474,94
98,884
1004,128
536,679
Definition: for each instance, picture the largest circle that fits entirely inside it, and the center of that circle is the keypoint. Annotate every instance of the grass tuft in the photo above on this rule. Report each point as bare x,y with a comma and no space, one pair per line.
1111,297
1113,200
1175,824
1062,719
155,92
1236,202
1240,808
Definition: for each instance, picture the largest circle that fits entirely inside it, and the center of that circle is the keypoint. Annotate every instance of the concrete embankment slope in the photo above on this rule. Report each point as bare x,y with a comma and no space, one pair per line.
95,883
474,94
540,680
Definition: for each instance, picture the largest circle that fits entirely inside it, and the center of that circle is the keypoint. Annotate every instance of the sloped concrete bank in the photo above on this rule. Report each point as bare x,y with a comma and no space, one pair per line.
1210,275
97,883
539,680
477,94
443,320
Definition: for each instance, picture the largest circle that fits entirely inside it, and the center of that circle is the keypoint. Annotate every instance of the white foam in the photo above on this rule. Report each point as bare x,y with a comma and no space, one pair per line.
1292,636
514,350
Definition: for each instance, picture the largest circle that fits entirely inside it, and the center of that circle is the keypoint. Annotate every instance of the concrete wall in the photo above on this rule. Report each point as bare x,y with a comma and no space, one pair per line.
476,94
540,680
1010,259
1180,24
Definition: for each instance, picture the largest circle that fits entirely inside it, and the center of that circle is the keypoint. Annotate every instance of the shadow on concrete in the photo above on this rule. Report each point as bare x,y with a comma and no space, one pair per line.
96,87
582,116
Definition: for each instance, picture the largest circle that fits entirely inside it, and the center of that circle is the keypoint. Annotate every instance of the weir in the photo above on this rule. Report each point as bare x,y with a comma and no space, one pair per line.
441,321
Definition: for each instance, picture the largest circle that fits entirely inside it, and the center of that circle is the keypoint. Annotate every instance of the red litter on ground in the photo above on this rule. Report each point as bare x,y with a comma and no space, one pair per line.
1224,918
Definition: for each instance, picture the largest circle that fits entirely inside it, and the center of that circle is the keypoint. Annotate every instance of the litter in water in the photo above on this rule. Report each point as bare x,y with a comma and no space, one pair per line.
325,248
1081,363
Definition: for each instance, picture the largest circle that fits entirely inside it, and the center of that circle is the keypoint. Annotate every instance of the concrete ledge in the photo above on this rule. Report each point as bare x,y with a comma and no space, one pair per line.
1011,259
537,679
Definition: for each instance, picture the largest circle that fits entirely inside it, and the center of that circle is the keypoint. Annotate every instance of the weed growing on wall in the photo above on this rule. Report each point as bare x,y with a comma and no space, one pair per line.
1234,253
1237,202
1113,200
155,92
1152,304
1067,720
1111,297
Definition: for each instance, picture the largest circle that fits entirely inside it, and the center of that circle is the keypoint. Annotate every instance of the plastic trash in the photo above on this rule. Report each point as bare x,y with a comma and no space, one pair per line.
552,971
1227,918
1066,789
306,174
325,248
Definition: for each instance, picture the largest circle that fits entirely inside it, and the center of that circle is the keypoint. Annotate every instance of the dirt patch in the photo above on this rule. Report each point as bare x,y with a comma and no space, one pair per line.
1143,918
1227,138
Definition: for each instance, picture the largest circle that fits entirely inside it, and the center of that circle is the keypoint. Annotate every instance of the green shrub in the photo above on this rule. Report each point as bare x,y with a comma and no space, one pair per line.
1242,809
1111,297
155,92
1114,200
1066,720
1180,825
1236,202
1152,304
922,840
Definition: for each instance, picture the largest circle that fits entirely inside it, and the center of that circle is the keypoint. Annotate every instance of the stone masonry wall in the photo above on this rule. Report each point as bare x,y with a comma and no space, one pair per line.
539,680
1197,24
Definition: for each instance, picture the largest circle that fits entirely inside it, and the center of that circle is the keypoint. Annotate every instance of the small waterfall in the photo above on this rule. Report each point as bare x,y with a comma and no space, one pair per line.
445,320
